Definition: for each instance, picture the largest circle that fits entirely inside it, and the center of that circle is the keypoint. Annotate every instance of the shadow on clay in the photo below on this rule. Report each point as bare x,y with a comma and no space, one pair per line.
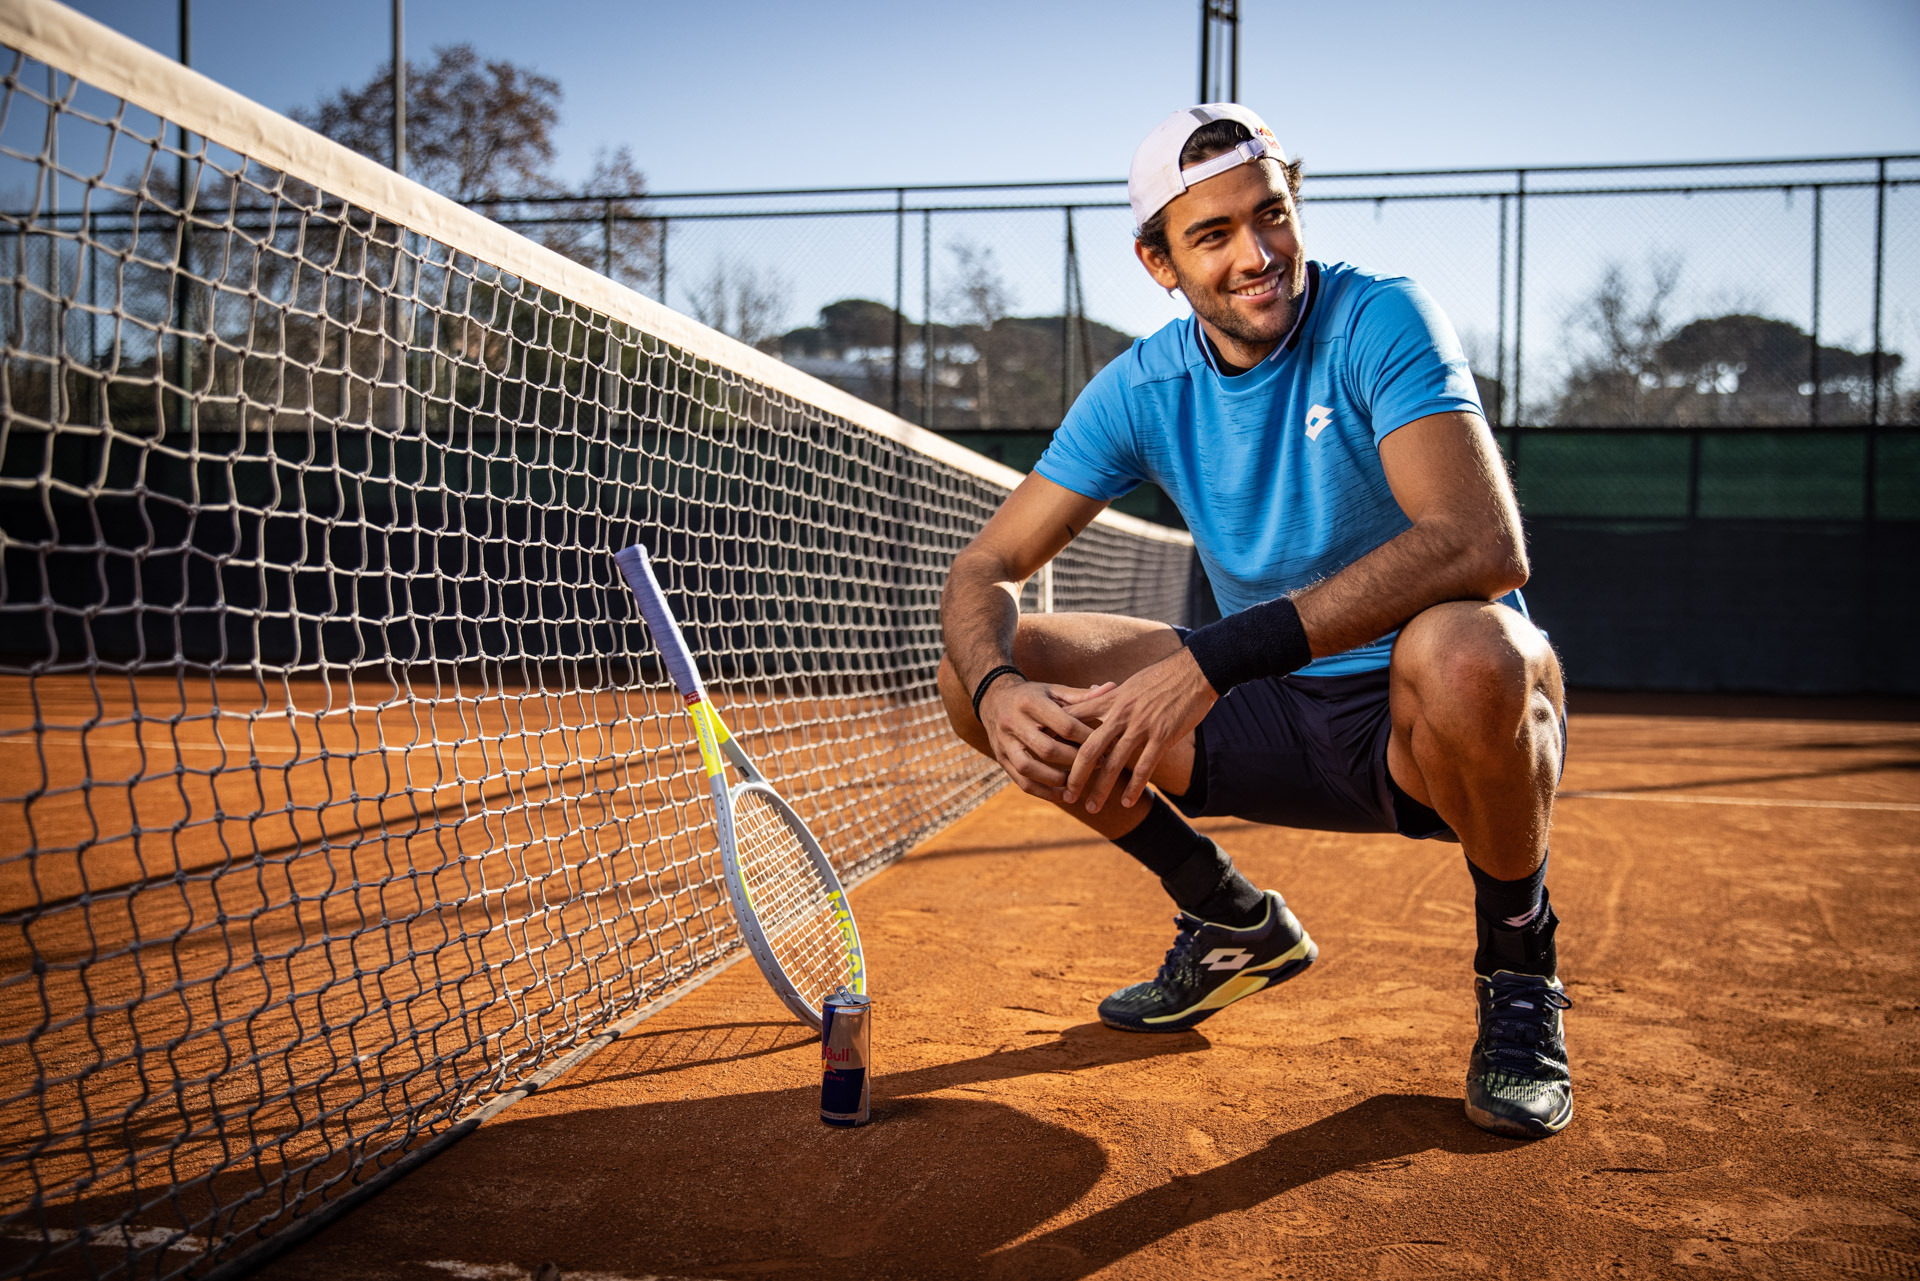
1388,1128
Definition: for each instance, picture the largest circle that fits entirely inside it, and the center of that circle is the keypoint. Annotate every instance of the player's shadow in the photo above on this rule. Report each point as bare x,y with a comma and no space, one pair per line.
740,1183
1384,1132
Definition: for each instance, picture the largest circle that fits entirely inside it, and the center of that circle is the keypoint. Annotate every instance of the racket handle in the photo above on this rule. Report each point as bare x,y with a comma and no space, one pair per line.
638,571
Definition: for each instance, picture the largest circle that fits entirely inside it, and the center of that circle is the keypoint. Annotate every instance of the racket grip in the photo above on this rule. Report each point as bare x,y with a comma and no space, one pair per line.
638,571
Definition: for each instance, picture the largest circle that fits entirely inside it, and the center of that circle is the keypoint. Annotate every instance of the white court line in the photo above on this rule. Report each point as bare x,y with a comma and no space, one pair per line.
1897,806
116,1234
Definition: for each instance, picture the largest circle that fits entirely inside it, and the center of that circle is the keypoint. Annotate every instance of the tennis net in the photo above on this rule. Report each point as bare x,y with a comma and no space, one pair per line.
342,798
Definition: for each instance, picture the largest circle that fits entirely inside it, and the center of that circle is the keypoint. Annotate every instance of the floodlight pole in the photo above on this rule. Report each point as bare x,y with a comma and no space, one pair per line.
400,87
1219,50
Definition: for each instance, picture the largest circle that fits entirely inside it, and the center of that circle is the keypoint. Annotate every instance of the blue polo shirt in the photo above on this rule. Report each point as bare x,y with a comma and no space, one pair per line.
1277,471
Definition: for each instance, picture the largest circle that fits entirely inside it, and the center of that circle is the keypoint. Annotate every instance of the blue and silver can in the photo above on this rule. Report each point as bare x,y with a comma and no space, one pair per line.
846,1020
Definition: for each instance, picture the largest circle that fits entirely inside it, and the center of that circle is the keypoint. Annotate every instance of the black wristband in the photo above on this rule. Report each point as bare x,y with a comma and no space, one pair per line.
1267,640
980,690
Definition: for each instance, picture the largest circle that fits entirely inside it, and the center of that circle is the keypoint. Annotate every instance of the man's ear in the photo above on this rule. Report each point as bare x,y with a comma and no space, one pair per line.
1157,266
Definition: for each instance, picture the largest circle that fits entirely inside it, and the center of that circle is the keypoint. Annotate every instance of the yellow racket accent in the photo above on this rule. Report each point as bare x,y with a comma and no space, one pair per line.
711,731
843,919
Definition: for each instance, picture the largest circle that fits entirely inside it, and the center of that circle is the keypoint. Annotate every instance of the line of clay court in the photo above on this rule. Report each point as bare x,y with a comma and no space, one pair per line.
1743,1040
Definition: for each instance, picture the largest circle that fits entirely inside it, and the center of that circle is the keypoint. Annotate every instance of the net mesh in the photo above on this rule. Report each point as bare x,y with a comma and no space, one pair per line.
789,898
335,800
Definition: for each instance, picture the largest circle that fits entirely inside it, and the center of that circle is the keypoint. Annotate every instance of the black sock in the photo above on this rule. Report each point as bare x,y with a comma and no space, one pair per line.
1510,905
1513,924
1196,872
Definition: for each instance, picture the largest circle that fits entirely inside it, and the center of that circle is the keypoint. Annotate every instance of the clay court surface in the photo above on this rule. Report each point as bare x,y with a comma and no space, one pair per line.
1739,937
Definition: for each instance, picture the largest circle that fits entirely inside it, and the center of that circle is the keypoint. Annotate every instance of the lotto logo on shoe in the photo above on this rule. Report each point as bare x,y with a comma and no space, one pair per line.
1226,958
1317,419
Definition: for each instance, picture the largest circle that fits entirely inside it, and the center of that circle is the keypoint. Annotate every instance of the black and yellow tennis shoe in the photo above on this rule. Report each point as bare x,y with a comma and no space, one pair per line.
1209,967
1517,1080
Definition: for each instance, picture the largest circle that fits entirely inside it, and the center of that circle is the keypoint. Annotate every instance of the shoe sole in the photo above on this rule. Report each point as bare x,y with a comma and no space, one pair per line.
1509,1128
1290,964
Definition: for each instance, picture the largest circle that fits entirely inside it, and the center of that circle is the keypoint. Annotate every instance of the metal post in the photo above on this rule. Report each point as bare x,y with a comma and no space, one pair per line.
56,313
1219,68
93,302
1066,310
1693,474
926,319
1813,360
1500,326
899,288
1519,295
606,241
400,87
1879,284
183,255
1233,87
1206,40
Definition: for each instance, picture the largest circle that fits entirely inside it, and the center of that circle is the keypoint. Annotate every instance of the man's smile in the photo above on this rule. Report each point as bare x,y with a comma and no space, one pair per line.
1261,289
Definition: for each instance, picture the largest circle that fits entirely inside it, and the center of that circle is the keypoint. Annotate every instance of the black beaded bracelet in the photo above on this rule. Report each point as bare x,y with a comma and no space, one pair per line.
980,690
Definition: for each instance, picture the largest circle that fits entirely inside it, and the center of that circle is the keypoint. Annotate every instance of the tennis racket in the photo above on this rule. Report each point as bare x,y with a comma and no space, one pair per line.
789,903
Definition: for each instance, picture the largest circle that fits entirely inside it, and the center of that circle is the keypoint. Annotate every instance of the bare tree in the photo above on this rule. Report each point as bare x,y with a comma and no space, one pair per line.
475,127
745,301
482,128
978,300
617,237
1621,378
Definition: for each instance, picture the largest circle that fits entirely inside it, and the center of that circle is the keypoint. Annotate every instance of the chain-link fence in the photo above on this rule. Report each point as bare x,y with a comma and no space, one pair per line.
1699,373
1735,293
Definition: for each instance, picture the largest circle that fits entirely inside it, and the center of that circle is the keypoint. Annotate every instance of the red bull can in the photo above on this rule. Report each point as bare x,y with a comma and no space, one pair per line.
846,1020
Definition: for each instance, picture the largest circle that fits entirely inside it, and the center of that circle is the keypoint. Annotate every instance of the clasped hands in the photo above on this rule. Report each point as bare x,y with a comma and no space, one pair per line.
1071,745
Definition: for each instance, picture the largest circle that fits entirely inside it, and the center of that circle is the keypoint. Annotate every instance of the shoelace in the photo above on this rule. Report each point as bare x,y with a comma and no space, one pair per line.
1520,1016
1170,965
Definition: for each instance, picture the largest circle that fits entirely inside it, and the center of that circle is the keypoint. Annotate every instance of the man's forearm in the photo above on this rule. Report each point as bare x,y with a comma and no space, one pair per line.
1416,569
978,618
1432,562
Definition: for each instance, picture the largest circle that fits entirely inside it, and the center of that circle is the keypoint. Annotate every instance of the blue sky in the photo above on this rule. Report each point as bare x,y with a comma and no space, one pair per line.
736,93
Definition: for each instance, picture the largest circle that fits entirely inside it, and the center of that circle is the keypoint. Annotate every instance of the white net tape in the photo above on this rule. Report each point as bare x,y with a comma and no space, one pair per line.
335,801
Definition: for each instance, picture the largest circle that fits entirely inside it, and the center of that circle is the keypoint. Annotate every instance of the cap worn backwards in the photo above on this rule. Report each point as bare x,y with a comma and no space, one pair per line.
1156,177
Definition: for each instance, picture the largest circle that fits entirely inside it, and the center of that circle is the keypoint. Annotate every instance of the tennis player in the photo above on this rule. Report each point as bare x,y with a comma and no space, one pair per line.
1375,670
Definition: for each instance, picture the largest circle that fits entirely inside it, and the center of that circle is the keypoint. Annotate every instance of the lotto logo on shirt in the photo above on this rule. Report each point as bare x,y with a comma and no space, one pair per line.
1317,419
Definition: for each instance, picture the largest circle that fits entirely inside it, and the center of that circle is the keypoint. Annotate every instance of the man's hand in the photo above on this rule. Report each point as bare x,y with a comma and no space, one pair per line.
1033,737
1138,720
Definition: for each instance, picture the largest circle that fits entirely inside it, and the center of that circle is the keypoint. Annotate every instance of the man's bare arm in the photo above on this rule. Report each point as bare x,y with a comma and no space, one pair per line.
980,611
1445,472
1465,544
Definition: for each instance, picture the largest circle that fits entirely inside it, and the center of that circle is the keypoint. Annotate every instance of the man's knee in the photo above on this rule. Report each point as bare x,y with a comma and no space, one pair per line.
1471,662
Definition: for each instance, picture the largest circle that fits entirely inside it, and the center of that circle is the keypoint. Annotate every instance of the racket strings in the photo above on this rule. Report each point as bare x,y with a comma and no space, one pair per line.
789,898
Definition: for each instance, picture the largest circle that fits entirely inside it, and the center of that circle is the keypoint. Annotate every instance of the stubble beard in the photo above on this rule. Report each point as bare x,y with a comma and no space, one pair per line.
1216,308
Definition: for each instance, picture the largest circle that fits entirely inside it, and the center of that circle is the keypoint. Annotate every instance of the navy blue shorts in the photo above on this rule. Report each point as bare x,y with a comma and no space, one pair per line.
1307,752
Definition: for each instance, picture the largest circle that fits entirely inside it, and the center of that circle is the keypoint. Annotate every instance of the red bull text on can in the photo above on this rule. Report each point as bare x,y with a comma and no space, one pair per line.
846,1019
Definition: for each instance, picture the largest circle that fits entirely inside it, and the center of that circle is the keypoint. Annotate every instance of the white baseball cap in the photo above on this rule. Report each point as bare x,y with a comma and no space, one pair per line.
1156,177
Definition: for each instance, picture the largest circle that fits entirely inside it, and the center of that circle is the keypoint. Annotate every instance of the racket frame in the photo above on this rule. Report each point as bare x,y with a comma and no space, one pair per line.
718,745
